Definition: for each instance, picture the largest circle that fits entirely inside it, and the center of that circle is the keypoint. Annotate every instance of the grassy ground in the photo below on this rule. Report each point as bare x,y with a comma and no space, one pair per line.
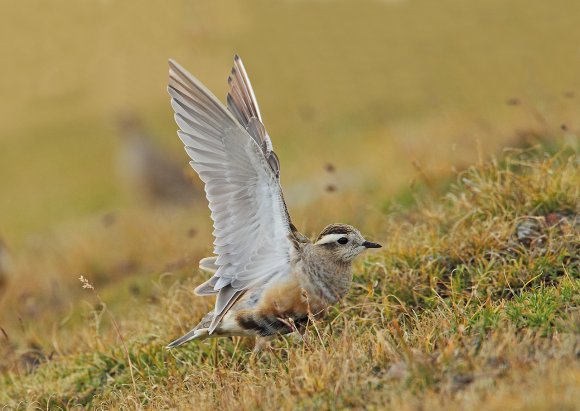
474,300
471,304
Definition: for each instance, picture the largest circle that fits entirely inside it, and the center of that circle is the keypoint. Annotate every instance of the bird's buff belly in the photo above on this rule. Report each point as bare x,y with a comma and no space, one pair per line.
279,309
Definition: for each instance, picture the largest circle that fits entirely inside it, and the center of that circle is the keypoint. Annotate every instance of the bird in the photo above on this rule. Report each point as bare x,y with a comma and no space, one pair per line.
267,277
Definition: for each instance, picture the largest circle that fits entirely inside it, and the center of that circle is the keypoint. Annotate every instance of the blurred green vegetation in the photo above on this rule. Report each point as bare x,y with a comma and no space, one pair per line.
366,85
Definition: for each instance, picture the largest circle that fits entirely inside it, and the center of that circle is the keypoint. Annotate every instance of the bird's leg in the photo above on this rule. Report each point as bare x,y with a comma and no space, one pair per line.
297,337
215,353
262,343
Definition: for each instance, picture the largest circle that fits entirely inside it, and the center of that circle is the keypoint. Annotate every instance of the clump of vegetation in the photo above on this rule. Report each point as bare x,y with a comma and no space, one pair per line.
473,300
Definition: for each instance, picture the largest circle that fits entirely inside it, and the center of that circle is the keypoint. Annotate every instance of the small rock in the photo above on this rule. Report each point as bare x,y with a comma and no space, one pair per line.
528,230
463,379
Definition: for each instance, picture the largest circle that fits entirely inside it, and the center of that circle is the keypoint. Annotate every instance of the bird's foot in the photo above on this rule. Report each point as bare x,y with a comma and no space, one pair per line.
262,344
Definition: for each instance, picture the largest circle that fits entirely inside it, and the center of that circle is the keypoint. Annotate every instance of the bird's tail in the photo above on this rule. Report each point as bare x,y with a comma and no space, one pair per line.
200,332
195,334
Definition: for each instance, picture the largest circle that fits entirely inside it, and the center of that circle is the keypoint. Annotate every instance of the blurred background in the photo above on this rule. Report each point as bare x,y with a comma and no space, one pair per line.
368,103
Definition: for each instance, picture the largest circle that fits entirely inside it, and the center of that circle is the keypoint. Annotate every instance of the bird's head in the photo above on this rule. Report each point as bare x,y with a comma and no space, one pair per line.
343,241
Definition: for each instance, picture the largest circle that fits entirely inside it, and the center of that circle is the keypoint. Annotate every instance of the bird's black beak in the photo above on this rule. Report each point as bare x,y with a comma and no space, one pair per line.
368,244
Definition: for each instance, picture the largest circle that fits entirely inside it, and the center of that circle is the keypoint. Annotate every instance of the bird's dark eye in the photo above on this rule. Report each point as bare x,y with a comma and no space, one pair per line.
342,240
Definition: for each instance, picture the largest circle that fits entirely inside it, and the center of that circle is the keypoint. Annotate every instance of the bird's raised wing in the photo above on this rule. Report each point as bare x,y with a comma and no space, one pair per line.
244,106
251,226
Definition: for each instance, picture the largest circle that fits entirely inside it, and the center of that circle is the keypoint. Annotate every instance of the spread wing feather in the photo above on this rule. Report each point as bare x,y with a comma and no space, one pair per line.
251,226
244,106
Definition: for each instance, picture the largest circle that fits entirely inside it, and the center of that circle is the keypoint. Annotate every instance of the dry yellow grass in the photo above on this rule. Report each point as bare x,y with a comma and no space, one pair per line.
463,309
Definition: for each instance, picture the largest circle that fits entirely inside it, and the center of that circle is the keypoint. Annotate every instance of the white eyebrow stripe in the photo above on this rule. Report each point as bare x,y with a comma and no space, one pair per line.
330,238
